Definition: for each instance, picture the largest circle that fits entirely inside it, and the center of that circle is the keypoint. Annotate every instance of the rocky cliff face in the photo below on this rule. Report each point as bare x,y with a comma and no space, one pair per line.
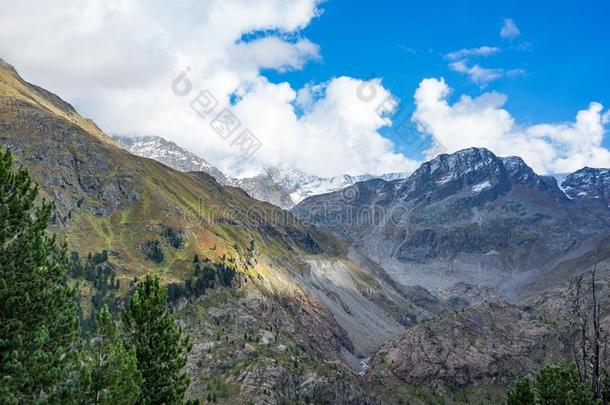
588,183
467,217
466,356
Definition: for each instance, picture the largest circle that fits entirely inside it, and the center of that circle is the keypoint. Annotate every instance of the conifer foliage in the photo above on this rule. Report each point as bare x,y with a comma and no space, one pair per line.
38,316
111,375
161,348
555,384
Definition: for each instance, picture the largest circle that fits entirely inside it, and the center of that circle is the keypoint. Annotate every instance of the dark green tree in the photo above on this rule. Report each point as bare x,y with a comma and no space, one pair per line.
161,348
111,373
561,384
555,384
523,393
38,311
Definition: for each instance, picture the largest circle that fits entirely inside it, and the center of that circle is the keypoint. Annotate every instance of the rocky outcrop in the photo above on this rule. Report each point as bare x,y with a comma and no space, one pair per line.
490,344
72,167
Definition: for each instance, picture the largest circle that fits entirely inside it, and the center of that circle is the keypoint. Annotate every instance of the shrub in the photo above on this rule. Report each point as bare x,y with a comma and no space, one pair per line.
154,251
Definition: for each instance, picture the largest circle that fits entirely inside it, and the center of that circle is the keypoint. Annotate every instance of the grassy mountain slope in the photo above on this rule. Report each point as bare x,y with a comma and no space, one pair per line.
271,333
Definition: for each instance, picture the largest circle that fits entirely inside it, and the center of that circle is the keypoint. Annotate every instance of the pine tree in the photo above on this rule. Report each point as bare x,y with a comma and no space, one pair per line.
561,384
555,384
161,348
111,375
38,310
522,394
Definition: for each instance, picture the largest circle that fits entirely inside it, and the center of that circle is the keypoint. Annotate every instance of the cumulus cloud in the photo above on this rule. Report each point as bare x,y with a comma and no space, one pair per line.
484,122
116,61
509,29
465,53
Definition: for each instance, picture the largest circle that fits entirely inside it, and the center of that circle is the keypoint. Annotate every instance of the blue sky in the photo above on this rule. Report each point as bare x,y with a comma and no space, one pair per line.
563,46
290,71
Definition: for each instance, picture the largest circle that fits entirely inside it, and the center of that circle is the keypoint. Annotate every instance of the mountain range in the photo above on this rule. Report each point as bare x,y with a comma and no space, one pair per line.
301,312
443,286
468,217
278,186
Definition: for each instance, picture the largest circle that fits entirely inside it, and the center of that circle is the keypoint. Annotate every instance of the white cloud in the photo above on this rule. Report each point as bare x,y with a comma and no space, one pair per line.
483,76
115,60
336,127
509,29
274,53
483,122
466,53
477,74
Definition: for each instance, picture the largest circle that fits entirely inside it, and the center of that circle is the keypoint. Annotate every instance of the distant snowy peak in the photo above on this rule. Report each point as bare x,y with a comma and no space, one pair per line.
293,186
279,186
170,154
588,183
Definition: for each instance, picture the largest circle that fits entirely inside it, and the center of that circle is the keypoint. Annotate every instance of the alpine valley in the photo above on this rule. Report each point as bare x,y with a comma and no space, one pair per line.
439,287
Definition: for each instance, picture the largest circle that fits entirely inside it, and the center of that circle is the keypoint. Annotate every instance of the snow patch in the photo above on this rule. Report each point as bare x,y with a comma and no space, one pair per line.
477,188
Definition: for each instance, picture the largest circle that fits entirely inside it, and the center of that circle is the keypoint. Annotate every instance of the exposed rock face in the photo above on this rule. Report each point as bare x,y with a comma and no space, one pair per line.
458,351
263,188
488,344
466,217
366,305
588,183
67,155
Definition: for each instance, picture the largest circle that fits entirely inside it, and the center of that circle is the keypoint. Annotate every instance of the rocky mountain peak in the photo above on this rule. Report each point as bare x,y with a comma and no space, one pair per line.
170,154
476,170
445,167
588,183
280,186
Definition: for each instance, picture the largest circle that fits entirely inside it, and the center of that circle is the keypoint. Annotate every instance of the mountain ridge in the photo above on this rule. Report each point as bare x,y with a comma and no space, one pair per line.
458,214
282,187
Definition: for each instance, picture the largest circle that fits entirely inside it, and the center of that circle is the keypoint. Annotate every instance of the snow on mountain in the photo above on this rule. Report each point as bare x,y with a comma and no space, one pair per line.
588,183
481,186
299,185
279,186
170,154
